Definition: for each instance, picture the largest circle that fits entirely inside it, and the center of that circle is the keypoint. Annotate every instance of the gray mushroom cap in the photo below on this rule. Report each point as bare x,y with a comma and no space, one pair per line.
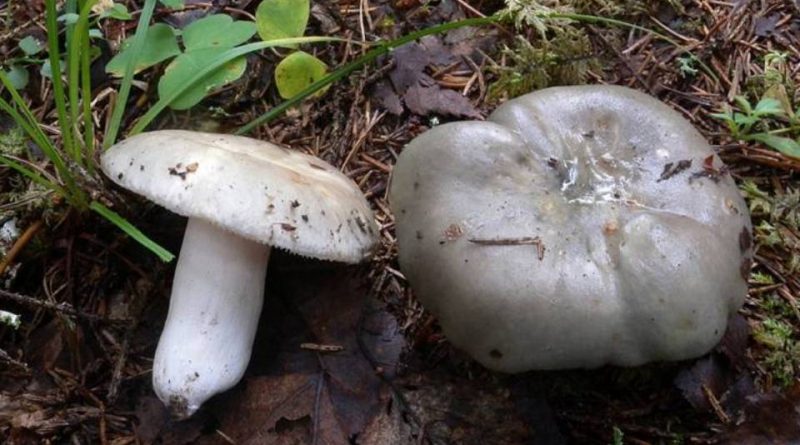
258,190
579,226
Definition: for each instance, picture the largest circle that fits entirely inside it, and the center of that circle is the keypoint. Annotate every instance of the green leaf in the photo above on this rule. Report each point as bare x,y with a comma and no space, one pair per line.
296,72
69,18
744,104
95,33
118,12
768,106
217,31
743,119
47,71
279,19
30,46
180,70
173,4
787,146
18,76
159,44
218,62
726,116
137,44
131,230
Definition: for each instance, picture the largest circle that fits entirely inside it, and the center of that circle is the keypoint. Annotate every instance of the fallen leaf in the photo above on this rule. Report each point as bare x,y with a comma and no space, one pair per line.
463,412
721,374
772,418
424,100
765,26
707,374
410,62
734,342
386,98
299,394
152,417
420,92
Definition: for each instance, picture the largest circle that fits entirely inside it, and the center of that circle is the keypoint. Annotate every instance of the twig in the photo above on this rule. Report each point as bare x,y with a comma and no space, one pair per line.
62,308
321,348
20,244
525,240
712,399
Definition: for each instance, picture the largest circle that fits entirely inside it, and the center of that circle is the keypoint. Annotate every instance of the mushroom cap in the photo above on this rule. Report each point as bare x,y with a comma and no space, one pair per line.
255,189
579,226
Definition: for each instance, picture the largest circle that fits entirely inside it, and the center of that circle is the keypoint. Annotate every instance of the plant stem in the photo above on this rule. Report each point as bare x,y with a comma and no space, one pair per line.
58,85
125,87
164,254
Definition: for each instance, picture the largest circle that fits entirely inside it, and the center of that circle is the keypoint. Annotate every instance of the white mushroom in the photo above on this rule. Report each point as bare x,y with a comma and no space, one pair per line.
242,197
577,227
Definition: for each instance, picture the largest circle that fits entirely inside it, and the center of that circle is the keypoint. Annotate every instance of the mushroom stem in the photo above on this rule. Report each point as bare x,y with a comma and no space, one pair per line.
217,295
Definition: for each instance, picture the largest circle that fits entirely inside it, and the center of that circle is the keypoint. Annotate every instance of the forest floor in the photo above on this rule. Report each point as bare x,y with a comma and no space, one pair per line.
93,302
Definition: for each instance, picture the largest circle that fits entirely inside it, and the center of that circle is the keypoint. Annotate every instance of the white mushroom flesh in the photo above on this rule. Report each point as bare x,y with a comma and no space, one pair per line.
217,295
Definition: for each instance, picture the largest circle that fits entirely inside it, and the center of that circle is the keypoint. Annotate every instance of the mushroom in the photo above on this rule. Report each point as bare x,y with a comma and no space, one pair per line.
577,227
242,197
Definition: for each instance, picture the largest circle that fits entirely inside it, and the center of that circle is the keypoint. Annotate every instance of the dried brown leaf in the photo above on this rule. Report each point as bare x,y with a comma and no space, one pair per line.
310,396
768,419
424,100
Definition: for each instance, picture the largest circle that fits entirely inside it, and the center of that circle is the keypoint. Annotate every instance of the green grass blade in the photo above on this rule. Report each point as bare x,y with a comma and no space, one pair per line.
86,95
58,85
383,48
131,230
33,175
80,76
30,125
224,58
127,79
72,60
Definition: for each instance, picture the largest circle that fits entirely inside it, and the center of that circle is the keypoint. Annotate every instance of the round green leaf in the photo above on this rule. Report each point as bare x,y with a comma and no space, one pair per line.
159,44
173,4
186,65
47,71
278,19
296,72
18,76
117,11
217,31
30,46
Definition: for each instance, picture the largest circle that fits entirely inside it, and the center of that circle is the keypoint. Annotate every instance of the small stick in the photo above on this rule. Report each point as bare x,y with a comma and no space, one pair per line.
321,348
63,308
714,402
20,244
525,240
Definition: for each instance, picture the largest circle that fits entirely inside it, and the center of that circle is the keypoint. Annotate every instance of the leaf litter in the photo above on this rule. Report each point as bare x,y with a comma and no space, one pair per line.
412,84
363,392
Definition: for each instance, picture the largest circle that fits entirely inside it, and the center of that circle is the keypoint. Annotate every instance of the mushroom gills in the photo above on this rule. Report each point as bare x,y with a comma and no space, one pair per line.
216,301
